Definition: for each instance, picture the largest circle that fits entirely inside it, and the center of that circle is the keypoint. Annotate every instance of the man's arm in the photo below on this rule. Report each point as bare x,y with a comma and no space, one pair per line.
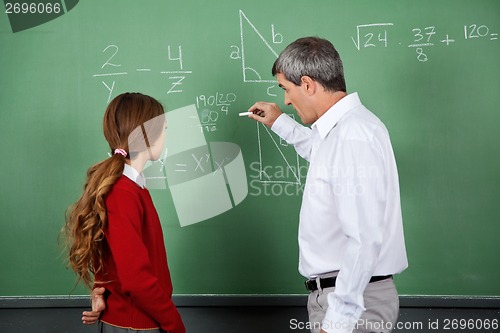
359,205
98,305
292,132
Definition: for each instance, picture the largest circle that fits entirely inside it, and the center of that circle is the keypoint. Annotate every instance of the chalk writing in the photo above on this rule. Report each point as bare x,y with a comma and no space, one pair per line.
287,160
475,31
376,35
371,35
253,57
111,69
210,106
176,76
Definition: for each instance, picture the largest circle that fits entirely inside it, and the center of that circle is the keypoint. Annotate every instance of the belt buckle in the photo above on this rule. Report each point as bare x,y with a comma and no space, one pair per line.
309,285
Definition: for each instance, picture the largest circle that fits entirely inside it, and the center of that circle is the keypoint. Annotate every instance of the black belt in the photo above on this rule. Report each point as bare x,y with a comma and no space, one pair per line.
329,282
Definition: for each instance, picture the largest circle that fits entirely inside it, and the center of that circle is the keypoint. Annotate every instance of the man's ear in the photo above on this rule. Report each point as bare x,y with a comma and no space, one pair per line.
308,84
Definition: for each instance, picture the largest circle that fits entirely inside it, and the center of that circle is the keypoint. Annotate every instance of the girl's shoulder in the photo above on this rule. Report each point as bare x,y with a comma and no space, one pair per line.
124,186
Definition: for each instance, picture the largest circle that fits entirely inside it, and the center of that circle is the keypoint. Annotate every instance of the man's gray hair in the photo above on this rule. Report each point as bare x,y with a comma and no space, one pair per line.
314,57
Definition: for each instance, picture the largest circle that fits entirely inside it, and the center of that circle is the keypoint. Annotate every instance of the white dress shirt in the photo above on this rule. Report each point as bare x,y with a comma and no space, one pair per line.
350,218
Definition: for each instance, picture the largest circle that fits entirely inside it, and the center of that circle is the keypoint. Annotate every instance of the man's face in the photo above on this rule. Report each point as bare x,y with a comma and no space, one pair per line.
296,97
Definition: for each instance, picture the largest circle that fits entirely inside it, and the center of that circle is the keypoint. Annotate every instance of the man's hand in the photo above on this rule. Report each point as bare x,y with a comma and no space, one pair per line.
98,305
265,113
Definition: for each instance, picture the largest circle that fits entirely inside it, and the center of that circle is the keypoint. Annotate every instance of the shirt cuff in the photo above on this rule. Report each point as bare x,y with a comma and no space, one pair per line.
335,322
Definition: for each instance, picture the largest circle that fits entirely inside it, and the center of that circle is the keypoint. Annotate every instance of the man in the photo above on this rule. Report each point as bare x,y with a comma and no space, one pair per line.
351,238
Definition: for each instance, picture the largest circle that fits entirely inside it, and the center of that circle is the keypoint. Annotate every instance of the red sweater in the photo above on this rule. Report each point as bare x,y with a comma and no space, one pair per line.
135,272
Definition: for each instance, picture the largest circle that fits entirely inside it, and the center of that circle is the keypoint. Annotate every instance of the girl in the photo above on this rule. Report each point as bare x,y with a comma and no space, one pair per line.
113,231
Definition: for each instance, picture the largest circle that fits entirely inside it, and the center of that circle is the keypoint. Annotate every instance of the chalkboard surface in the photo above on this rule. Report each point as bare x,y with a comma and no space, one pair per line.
230,201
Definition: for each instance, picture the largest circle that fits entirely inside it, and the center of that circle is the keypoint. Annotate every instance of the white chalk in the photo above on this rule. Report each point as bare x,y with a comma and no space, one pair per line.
242,114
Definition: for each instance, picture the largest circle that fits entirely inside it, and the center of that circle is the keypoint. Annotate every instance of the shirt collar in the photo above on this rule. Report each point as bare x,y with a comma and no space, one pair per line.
330,118
134,175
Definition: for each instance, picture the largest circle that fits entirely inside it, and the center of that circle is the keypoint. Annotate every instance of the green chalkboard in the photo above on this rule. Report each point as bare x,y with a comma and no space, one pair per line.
229,207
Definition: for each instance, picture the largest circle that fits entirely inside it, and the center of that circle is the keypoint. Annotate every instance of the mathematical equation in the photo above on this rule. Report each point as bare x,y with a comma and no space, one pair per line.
376,35
211,107
252,68
202,163
111,69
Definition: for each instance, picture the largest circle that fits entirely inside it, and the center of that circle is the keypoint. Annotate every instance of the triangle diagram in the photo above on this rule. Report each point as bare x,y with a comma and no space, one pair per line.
257,55
278,161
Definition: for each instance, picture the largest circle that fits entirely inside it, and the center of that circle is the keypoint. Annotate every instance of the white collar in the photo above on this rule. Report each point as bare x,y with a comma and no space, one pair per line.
134,175
331,117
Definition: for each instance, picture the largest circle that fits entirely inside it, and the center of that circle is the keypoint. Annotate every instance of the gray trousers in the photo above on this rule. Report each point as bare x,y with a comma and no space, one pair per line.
106,328
381,304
